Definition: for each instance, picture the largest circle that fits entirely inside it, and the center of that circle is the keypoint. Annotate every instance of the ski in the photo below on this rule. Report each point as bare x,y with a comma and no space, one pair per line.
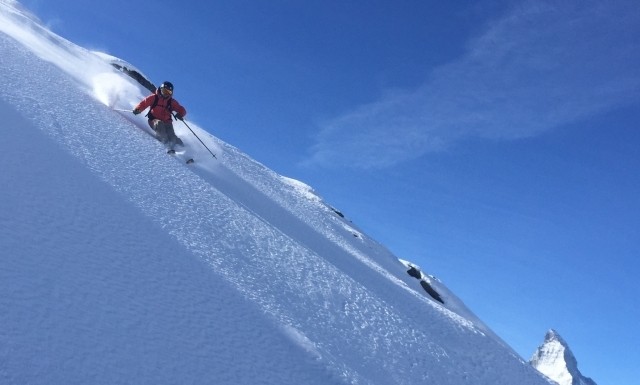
171,151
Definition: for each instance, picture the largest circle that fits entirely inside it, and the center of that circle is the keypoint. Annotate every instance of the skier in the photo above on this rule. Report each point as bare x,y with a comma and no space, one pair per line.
161,107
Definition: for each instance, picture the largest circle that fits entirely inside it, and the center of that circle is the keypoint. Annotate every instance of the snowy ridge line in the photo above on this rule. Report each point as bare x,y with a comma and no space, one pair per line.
315,211
317,216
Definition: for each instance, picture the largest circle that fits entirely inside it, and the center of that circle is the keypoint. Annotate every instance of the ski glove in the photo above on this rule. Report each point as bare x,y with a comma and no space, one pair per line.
136,111
179,117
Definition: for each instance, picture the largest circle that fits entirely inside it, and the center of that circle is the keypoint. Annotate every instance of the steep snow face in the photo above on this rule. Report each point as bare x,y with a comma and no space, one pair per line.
121,265
555,360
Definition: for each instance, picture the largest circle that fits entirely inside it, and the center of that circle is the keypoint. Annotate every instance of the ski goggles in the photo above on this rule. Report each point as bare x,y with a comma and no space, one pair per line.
166,91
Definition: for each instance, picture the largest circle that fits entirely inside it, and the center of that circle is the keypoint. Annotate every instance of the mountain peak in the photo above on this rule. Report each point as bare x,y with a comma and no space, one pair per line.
553,335
555,360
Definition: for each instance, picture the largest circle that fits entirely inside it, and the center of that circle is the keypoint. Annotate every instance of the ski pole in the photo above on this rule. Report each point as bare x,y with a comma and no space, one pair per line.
194,134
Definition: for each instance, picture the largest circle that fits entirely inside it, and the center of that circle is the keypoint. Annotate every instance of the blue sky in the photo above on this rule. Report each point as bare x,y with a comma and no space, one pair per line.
493,143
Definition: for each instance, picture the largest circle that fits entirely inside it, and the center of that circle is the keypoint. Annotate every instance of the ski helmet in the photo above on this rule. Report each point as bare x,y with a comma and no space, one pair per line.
166,90
167,85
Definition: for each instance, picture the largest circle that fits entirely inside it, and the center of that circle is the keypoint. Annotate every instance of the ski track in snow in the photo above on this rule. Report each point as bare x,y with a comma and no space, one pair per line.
290,271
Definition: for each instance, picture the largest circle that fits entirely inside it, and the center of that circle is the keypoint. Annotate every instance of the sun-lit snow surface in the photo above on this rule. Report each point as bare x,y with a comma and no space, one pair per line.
121,264
554,359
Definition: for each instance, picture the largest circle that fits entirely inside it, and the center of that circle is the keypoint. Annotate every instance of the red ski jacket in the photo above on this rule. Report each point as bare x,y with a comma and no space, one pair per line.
163,107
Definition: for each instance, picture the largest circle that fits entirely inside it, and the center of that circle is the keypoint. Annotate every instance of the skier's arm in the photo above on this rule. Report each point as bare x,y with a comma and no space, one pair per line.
180,111
143,105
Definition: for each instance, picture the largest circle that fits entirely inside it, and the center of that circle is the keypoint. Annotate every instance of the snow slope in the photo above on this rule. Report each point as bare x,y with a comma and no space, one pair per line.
121,264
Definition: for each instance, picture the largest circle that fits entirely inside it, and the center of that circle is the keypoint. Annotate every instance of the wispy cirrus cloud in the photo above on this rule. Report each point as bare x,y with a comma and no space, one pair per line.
539,67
